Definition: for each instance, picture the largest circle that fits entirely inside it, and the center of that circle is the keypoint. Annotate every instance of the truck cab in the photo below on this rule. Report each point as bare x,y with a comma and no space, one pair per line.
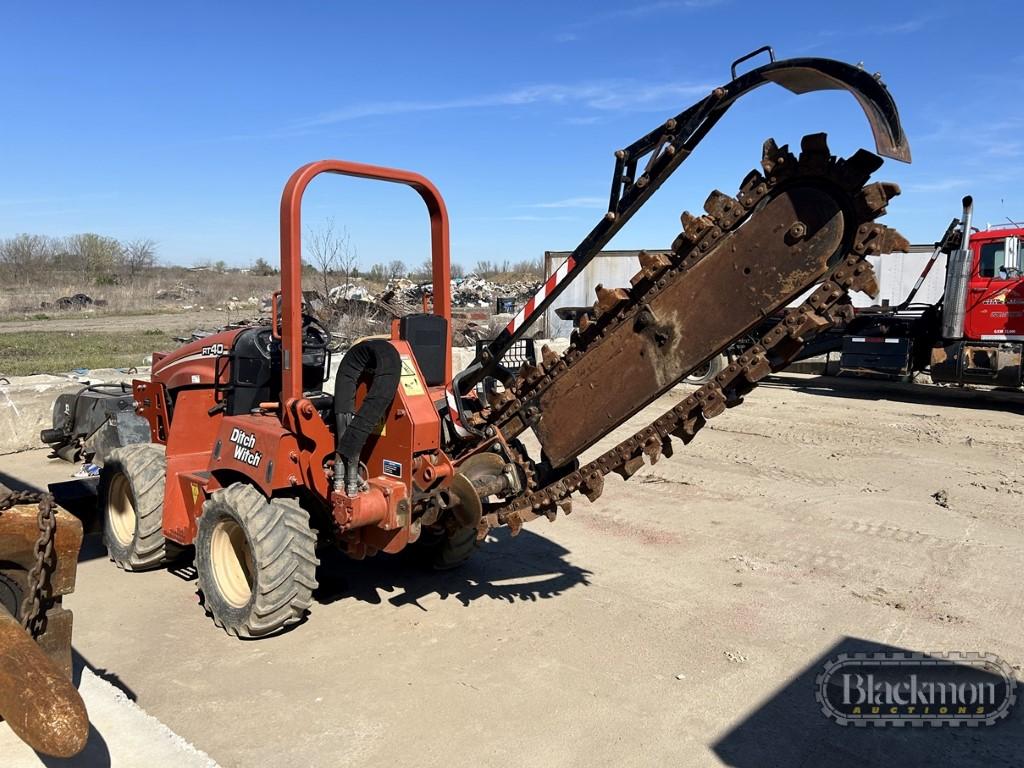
995,290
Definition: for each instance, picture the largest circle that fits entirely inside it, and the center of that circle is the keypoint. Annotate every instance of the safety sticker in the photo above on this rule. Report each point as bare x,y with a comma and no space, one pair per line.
411,383
392,468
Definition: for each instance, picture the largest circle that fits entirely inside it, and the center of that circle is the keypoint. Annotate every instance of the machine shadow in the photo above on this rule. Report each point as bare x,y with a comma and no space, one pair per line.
527,569
902,392
789,729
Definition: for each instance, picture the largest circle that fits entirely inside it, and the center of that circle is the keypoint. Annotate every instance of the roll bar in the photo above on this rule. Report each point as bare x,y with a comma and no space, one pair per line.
291,258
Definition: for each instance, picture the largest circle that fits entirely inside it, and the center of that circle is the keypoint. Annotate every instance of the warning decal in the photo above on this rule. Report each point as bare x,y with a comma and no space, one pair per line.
411,383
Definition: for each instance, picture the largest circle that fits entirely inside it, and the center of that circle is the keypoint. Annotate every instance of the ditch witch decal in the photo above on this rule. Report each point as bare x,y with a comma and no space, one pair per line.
899,688
244,444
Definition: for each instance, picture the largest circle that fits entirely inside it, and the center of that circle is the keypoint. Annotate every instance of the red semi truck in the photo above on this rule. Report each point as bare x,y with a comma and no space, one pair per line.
974,334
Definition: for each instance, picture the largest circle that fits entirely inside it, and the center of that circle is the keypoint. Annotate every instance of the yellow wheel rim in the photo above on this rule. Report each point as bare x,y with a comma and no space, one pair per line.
121,510
232,562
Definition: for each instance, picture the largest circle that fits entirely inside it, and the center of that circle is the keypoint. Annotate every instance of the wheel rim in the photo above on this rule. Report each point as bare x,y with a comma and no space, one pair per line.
231,558
700,371
121,510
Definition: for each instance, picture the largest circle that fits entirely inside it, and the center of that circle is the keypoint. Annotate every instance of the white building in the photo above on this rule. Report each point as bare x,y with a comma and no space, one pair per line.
897,273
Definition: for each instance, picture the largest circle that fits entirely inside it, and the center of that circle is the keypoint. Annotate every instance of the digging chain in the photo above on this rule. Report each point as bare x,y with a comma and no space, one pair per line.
32,604
772,352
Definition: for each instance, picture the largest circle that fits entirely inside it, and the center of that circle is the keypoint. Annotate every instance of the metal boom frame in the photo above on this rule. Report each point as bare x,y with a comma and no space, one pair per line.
667,146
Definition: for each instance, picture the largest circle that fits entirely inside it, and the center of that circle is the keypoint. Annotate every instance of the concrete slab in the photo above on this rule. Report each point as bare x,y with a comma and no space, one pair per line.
26,402
122,735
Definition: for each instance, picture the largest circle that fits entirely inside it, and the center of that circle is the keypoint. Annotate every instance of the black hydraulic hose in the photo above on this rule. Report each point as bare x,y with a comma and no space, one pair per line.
354,427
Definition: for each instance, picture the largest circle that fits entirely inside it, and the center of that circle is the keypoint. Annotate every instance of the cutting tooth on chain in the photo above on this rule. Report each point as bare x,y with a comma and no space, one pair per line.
549,357
856,170
752,189
530,373
723,208
630,466
712,400
864,280
593,486
609,298
694,228
814,153
652,449
651,265
874,197
689,427
777,161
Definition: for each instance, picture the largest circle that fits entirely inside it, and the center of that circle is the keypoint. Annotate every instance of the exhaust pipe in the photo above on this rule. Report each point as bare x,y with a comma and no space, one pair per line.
958,272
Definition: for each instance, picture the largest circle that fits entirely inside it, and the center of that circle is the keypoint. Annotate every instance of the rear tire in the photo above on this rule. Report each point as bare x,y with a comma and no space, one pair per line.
702,374
256,561
441,550
131,496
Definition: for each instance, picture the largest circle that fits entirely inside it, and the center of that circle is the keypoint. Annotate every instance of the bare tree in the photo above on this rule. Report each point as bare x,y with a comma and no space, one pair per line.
94,255
397,268
331,253
458,271
26,256
424,272
138,256
262,268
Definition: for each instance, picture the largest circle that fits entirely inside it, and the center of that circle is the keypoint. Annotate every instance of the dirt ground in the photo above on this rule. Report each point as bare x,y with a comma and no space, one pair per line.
164,321
679,621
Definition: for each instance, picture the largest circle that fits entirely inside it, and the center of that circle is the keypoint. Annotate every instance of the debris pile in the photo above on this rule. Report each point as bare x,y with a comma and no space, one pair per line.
470,291
177,292
76,301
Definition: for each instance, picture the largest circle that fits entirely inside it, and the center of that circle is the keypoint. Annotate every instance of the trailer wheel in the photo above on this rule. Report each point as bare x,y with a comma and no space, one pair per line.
256,561
702,374
131,496
442,550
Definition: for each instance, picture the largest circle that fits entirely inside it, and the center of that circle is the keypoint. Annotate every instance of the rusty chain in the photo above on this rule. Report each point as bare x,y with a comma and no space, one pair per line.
33,602
769,353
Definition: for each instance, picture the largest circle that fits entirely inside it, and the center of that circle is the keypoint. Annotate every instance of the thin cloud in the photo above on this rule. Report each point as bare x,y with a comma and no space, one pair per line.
573,202
648,9
620,95
13,202
525,217
566,37
942,185
901,28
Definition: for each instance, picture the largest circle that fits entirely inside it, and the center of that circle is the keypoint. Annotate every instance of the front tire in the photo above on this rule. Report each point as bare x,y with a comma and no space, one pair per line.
131,496
256,561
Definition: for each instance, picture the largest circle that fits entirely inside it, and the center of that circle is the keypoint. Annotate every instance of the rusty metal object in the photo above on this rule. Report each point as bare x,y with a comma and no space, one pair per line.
753,273
37,699
37,567
999,364
804,219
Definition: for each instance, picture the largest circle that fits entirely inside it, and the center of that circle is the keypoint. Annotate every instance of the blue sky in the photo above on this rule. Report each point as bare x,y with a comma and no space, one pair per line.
181,121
